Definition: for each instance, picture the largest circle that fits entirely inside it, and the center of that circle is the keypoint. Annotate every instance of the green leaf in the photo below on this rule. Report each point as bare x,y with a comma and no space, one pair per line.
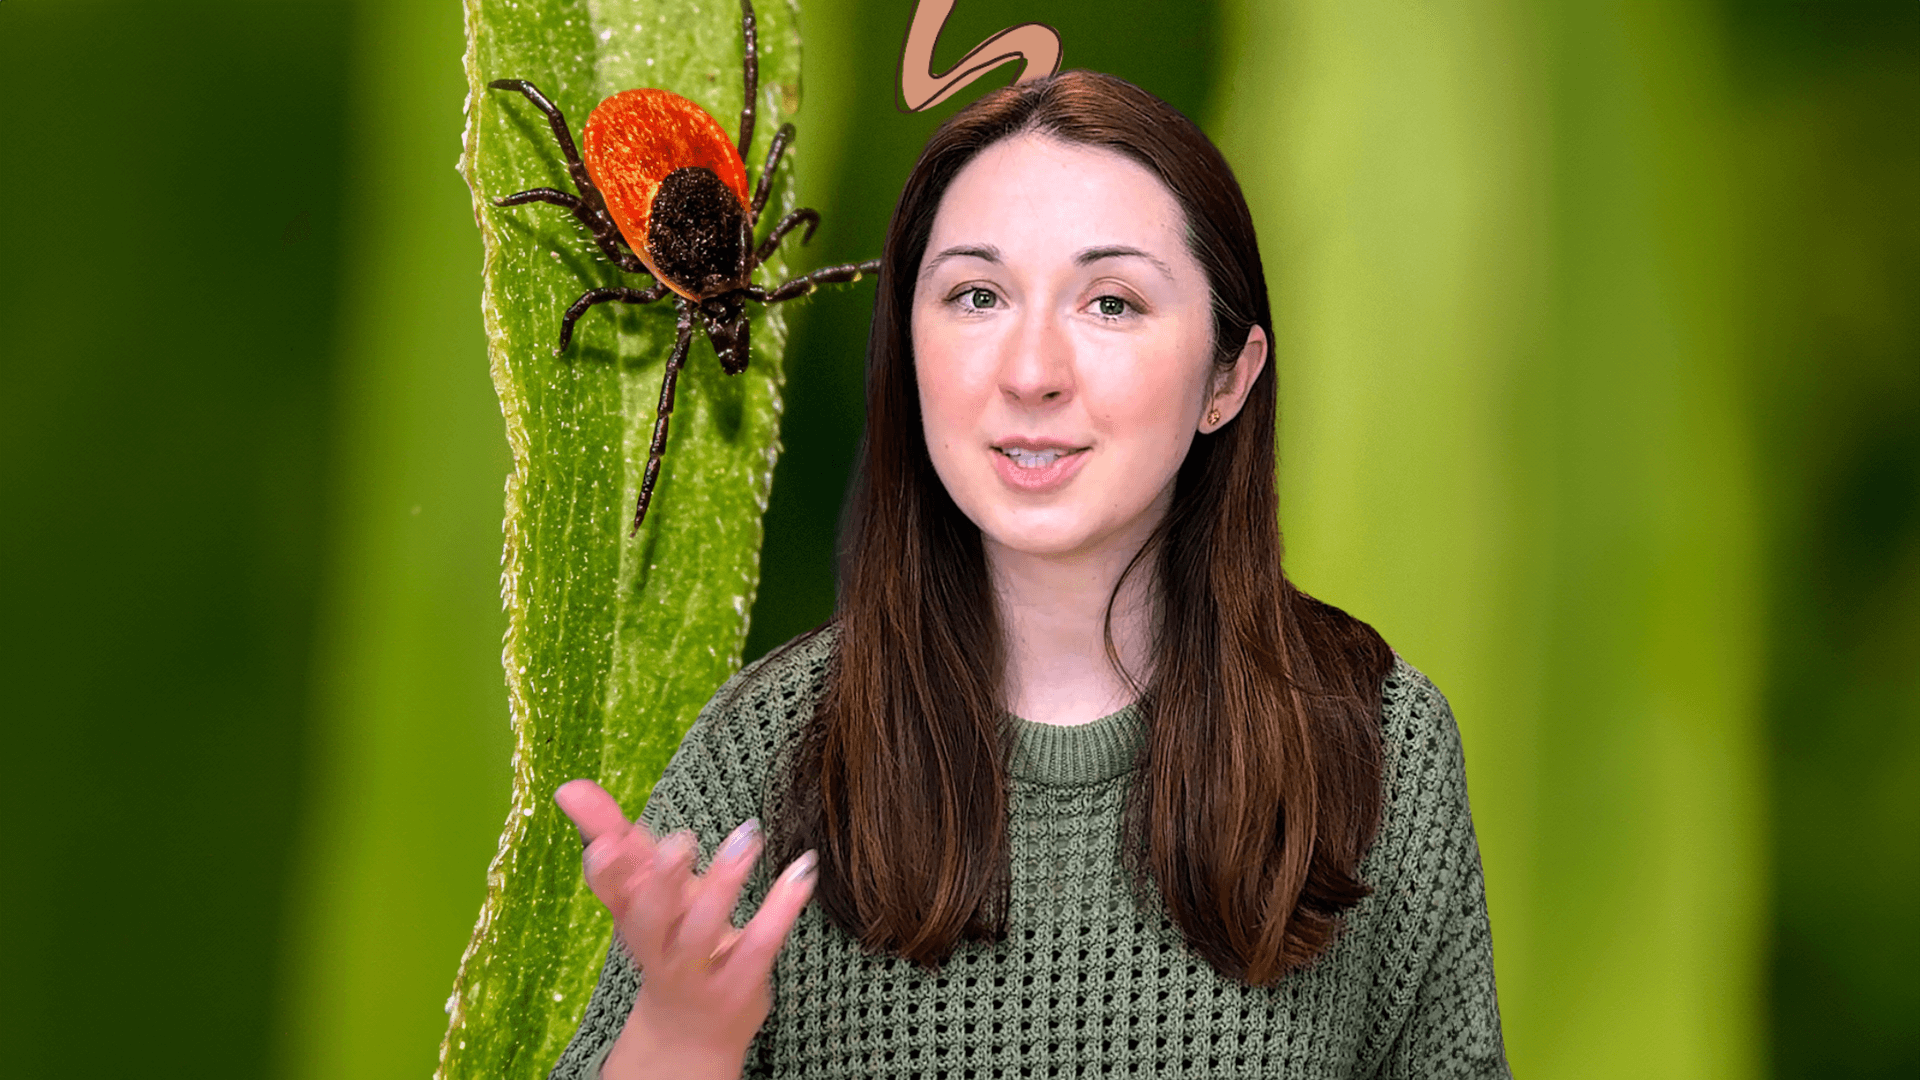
613,644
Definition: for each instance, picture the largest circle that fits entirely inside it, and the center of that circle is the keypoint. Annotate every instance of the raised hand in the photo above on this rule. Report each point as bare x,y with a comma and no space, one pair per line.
705,988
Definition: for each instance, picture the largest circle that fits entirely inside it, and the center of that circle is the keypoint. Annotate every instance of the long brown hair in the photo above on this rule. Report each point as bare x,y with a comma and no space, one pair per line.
1257,788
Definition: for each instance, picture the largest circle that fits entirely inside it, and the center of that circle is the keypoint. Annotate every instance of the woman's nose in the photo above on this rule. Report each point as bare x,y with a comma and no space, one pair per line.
1038,366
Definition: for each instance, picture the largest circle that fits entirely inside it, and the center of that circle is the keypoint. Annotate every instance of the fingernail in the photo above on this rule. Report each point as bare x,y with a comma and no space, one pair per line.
593,860
739,840
804,867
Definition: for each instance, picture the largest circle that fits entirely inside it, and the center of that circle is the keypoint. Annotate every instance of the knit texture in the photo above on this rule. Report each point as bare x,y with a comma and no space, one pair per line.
1087,984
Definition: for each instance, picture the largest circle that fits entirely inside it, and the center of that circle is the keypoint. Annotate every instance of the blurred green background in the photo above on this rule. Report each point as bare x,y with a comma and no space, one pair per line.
1599,343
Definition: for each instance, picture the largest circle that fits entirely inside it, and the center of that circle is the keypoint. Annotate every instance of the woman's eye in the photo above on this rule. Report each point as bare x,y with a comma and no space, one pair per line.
981,298
1111,306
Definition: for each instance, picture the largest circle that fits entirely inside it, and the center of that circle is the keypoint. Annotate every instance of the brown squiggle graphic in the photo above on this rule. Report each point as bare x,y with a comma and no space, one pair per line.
1037,44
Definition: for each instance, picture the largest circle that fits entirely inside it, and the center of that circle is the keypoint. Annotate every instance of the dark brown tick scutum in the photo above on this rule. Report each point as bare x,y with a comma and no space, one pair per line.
695,232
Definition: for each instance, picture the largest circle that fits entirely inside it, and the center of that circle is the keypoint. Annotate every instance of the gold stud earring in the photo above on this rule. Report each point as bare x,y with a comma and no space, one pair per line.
1213,417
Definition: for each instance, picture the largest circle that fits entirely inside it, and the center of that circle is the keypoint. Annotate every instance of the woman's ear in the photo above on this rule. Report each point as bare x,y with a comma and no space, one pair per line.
1230,390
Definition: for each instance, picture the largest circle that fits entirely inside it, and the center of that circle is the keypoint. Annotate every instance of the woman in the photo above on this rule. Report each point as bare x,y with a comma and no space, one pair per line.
1081,782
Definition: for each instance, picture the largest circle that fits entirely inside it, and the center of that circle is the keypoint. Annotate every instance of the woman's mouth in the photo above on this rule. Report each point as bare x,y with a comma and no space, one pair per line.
1034,459
1035,471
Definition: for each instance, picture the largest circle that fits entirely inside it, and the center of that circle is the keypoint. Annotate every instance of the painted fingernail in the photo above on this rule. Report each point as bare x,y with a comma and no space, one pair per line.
594,859
739,840
804,867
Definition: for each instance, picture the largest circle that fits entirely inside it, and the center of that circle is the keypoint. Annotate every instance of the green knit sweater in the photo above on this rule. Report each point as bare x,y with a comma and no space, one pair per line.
1086,984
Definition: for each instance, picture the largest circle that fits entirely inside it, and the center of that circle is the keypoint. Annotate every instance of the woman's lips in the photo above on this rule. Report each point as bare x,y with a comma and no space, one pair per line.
1035,481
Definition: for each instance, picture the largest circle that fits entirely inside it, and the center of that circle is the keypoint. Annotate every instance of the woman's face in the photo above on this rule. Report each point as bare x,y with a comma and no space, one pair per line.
1062,338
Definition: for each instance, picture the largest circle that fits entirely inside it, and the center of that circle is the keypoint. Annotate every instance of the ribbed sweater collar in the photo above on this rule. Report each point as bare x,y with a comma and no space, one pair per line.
1067,755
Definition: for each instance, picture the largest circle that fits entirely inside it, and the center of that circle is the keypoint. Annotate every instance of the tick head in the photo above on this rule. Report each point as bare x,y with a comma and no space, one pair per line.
725,318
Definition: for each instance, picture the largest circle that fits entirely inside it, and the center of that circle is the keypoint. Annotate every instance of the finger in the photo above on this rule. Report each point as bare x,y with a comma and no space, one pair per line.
613,861
594,812
659,899
617,853
709,914
718,958
767,931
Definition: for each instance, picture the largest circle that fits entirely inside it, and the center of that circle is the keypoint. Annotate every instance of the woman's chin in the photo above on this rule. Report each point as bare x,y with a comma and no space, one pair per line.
1041,535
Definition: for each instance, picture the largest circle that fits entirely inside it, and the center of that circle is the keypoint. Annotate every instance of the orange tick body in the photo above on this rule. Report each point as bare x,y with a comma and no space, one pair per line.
664,193
633,143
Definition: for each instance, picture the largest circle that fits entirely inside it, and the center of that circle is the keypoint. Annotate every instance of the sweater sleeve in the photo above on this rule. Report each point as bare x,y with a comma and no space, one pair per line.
714,781
1451,1024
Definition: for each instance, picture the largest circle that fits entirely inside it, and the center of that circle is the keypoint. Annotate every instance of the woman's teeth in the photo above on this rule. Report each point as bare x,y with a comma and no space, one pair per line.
1034,459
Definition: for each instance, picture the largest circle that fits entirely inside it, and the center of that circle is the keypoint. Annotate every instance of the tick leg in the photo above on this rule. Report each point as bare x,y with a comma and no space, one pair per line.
605,233
589,206
750,67
601,296
659,448
780,140
810,218
801,286
575,168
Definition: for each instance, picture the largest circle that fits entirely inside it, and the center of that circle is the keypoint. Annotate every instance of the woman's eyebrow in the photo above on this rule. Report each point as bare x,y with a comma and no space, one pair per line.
986,252
1093,255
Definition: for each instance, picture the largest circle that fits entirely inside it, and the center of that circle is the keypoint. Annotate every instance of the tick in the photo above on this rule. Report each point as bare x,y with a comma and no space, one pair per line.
664,193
